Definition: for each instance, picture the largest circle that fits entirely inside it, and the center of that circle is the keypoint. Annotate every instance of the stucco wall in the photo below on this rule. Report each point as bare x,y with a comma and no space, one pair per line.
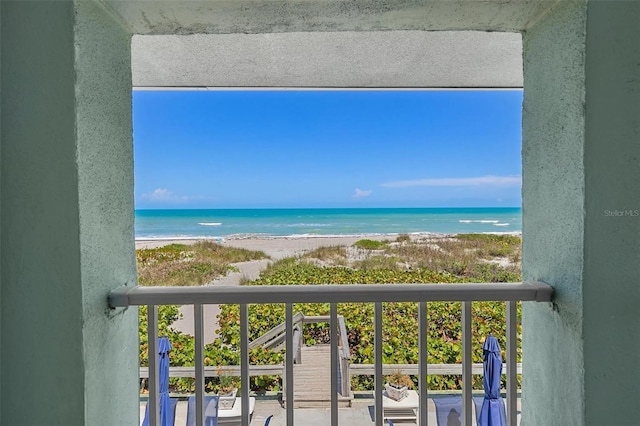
581,162
553,210
67,216
611,286
105,192
269,16
41,303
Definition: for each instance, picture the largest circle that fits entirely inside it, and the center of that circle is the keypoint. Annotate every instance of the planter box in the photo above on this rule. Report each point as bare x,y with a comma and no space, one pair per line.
395,393
226,401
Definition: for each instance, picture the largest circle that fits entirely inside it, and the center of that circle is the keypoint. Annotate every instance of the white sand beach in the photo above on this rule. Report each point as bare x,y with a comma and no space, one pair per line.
276,247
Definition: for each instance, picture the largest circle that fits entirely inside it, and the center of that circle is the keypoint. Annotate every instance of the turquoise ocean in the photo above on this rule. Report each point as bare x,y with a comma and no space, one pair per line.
240,223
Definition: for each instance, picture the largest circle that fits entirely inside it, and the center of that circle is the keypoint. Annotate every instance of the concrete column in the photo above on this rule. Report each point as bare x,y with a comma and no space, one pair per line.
581,160
553,216
104,158
66,180
611,286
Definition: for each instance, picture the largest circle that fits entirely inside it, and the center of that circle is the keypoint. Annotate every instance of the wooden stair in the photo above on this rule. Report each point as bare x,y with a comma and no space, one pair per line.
312,380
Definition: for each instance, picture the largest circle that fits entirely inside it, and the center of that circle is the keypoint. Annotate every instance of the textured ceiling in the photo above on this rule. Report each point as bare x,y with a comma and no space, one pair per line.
386,59
328,43
269,16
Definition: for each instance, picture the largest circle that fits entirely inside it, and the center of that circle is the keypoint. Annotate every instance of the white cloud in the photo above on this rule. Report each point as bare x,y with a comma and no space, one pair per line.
163,195
361,193
469,181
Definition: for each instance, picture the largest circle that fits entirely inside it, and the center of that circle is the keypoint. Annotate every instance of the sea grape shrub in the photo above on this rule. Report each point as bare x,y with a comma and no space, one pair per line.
370,244
399,334
399,321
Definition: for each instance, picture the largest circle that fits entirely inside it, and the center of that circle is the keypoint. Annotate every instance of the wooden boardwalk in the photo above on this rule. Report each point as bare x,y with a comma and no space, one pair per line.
312,379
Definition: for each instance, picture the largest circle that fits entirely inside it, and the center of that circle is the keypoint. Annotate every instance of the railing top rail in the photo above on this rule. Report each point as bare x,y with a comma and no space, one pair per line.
331,293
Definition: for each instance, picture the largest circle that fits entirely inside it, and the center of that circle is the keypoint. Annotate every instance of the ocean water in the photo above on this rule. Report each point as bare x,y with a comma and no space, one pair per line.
239,223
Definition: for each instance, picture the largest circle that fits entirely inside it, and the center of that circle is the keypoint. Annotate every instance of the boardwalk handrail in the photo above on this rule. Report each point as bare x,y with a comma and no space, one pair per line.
342,331
344,354
330,293
275,335
356,370
274,339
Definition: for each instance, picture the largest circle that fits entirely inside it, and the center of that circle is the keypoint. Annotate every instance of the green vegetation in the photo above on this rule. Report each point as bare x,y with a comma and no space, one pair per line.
469,257
472,257
333,254
300,271
492,245
403,238
378,262
370,244
183,351
400,331
464,258
183,265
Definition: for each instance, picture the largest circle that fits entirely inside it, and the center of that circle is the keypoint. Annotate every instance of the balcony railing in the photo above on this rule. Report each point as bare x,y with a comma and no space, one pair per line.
510,293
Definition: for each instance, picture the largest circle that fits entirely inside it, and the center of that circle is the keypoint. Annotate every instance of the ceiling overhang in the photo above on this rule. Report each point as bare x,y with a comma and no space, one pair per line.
182,17
328,43
386,59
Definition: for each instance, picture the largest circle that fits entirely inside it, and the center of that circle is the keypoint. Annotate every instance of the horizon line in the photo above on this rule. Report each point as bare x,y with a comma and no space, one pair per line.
326,208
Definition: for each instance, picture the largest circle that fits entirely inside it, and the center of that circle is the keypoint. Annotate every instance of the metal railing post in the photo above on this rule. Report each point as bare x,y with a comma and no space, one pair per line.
289,356
422,364
467,400
512,382
377,313
333,324
152,334
244,363
199,362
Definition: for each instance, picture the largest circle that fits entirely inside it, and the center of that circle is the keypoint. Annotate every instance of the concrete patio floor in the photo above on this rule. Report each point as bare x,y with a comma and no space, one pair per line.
359,414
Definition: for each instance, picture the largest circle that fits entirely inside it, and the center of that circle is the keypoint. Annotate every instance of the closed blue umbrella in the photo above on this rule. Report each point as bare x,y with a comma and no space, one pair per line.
492,412
166,419
167,406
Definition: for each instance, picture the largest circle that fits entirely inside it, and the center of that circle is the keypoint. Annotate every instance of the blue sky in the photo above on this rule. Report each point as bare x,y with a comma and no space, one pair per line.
281,149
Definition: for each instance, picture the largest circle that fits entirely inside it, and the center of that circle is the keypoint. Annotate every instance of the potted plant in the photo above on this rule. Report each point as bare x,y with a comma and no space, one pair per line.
397,385
227,390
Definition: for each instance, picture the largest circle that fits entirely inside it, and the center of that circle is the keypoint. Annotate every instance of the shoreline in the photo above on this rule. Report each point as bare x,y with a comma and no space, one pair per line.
275,247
